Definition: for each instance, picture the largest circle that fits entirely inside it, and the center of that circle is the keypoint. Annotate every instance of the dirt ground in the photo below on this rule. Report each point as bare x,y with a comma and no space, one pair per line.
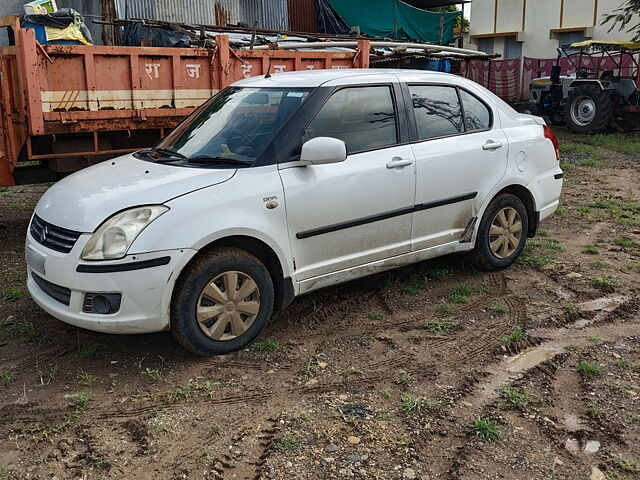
432,371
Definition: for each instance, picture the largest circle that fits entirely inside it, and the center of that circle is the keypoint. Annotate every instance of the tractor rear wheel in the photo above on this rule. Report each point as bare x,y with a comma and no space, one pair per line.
589,109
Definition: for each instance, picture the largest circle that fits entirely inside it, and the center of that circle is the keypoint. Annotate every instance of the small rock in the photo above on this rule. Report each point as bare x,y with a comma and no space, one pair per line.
322,364
353,440
10,319
557,461
592,446
572,446
313,381
615,355
544,268
467,404
596,474
573,275
329,459
331,448
408,474
343,397
353,458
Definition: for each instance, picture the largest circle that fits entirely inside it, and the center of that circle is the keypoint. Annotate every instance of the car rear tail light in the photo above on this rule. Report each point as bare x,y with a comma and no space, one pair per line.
548,133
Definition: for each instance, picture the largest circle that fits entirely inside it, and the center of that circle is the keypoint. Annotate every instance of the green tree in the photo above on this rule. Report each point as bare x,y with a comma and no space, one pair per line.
622,18
450,9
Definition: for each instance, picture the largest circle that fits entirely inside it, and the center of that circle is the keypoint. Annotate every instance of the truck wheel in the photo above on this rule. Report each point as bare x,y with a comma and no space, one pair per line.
529,108
221,302
588,110
502,233
556,118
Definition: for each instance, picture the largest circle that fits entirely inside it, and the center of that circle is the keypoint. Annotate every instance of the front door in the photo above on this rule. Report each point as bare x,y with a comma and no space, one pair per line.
358,211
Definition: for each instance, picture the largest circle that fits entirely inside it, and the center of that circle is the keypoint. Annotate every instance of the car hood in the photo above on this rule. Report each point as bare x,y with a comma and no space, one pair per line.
82,201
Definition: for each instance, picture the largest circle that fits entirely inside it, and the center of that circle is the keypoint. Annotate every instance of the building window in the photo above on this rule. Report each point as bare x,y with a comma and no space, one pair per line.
486,45
512,48
565,39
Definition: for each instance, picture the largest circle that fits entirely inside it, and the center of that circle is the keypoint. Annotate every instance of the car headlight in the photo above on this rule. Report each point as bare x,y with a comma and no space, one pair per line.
114,237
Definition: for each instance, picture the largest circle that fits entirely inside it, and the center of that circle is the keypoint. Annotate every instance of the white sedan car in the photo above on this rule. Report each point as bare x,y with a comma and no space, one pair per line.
282,185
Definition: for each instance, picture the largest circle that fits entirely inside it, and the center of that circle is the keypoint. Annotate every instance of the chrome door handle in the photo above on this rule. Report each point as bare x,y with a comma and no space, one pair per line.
399,162
491,145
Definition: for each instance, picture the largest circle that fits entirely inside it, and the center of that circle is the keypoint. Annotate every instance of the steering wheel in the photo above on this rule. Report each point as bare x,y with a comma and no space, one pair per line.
245,136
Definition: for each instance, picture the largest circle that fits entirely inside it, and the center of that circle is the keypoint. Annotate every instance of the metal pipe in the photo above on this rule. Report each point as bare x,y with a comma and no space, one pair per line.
350,43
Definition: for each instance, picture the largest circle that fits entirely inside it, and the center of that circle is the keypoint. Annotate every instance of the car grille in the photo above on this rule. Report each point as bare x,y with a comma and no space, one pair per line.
56,238
61,294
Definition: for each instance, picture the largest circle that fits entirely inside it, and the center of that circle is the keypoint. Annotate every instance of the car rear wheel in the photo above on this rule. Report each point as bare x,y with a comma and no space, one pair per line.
222,301
502,233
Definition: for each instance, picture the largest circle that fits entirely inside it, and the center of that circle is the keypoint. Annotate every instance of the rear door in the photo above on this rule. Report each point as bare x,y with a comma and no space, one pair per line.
358,211
461,154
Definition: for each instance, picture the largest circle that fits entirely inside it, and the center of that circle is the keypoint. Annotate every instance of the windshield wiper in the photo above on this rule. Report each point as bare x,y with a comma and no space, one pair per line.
168,153
210,159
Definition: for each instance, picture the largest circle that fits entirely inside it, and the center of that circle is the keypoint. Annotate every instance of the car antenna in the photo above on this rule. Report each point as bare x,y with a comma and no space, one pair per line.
273,47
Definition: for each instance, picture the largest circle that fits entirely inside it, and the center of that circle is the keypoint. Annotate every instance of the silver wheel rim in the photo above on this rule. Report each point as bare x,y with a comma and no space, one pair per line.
583,110
228,305
505,232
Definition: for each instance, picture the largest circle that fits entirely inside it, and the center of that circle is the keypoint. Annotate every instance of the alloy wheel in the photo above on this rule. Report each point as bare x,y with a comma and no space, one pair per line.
228,305
505,232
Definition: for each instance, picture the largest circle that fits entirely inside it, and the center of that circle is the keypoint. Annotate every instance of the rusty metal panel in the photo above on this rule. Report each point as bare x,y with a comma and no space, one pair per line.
192,11
227,12
303,16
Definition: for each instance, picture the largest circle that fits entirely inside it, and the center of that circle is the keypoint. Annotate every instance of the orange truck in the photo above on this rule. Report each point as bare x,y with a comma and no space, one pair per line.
64,107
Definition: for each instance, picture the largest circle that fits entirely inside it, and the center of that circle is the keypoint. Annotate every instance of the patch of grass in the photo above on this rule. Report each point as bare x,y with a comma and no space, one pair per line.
153,373
594,338
539,252
554,244
627,144
404,379
6,377
560,210
485,429
591,250
499,309
460,293
625,242
622,211
375,316
26,332
413,403
515,335
623,363
598,263
583,211
590,368
416,284
264,346
92,351
626,465
444,309
80,400
13,294
579,148
438,273
39,431
300,418
85,378
287,443
20,206
605,282
439,325
592,162
514,398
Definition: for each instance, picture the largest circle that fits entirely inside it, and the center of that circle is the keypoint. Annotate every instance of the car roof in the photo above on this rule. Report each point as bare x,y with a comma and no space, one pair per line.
315,78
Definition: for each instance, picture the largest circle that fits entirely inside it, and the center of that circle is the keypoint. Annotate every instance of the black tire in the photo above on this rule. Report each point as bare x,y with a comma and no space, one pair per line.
482,255
604,108
530,108
200,272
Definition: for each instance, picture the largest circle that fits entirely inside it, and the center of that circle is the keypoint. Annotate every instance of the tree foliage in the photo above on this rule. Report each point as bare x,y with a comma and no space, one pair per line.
450,9
623,18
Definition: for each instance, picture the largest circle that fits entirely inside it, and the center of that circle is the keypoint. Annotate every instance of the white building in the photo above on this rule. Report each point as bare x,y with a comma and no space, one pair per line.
536,28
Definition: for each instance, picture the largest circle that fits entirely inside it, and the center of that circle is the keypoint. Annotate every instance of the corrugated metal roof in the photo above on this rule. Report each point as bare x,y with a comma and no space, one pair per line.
270,14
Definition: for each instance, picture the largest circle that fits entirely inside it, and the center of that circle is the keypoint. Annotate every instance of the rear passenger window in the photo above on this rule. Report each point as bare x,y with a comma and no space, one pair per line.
363,117
437,111
476,113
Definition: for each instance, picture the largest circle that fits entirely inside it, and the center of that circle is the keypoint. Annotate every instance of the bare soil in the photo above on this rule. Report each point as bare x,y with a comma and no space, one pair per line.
381,378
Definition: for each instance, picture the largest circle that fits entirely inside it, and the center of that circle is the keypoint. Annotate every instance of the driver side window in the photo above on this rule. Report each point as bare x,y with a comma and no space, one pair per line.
363,117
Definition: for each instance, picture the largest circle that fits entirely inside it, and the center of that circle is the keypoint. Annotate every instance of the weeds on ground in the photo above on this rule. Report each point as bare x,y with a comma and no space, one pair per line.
623,363
590,368
499,309
439,325
85,378
605,282
375,316
404,379
486,429
416,284
13,294
300,418
287,443
23,331
48,373
539,252
599,263
6,377
264,346
93,351
627,144
625,242
444,309
153,373
21,206
39,431
460,293
626,465
514,398
412,403
622,211
515,335
590,250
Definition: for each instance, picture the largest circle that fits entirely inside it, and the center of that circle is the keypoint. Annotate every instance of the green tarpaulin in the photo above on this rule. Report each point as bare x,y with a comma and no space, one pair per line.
397,20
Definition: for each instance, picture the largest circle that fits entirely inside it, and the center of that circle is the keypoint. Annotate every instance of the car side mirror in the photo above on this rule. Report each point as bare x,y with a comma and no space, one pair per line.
323,150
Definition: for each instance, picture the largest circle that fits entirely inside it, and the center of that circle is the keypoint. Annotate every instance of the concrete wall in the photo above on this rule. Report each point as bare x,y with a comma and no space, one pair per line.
540,18
90,8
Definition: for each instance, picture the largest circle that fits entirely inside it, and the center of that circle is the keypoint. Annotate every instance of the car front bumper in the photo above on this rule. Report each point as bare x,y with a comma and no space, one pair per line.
144,282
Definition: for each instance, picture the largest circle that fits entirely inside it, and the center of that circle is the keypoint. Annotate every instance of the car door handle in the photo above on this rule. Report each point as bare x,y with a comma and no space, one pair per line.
491,145
398,162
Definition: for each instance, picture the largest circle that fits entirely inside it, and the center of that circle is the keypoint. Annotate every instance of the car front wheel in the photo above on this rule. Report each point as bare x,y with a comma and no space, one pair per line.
222,301
502,233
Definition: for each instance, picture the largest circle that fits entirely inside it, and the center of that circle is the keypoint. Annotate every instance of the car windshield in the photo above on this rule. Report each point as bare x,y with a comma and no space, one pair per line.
237,125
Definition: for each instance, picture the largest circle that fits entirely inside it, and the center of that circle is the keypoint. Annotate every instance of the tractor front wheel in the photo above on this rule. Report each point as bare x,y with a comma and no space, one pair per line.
589,109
